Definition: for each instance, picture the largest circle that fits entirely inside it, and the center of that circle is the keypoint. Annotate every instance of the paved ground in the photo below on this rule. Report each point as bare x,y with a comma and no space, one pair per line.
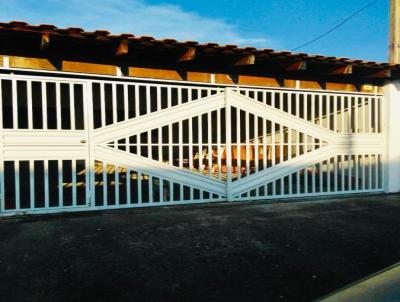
250,252
381,287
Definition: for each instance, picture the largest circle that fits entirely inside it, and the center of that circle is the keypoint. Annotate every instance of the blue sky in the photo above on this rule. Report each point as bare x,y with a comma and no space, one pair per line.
278,24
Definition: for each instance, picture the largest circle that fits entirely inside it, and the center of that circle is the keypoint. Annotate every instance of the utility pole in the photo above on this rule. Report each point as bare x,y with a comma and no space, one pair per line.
394,44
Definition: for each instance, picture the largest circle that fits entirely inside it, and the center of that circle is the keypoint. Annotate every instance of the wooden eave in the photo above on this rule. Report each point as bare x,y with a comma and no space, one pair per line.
48,41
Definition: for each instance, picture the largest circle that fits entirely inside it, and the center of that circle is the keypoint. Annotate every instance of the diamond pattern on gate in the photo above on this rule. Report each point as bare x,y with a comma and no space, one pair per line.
198,144
116,185
340,173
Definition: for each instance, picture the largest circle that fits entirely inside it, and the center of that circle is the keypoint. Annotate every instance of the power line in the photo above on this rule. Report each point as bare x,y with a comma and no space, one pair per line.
337,26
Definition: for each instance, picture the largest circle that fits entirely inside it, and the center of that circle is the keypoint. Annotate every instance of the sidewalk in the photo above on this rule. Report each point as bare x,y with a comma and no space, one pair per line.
381,287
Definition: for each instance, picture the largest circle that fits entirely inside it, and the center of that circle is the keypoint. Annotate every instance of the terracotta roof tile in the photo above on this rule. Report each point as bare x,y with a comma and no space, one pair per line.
105,35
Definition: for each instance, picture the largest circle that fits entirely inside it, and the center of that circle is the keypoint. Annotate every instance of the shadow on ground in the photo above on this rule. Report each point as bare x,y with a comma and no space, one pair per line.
250,252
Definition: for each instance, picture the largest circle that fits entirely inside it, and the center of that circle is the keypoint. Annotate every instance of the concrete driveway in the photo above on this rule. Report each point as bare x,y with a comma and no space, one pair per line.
297,251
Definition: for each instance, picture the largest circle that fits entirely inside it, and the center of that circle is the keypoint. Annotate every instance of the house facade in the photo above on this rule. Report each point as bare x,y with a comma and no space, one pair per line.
94,121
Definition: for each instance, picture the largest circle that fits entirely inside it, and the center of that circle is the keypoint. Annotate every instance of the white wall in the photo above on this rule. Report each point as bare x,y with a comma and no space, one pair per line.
392,127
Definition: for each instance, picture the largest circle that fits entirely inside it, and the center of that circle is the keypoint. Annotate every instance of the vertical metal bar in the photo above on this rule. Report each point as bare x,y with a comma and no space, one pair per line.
170,142
305,106
87,181
171,191
313,178
17,185
209,144
328,175
239,144
349,110
2,193
264,148
281,140
306,180
228,149
180,145
369,172
219,149
342,113
74,182
126,102
15,103
376,104
256,138
363,171
114,103
247,129
179,95
335,163
200,141
369,115
289,145
356,115
103,105
363,114
160,149
60,183
137,100
161,190
116,184
356,165
190,143
273,142
90,161
150,182
128,186
105,183
181,195
58,105
320,111
44,105
32,183
169,101
313,120
148,99
350,167
335,115
342,168
139,183
328,111
376,171
321,177
29,103
72,105
158,97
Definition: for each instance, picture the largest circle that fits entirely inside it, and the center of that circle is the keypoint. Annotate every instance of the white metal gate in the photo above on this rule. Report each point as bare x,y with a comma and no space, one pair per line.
90,144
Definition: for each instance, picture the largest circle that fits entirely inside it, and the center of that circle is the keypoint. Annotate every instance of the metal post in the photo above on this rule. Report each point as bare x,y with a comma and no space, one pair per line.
392,130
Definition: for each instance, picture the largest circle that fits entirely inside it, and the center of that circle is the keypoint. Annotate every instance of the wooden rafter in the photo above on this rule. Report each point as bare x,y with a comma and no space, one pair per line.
249,59
345,69
45,40
188,55
296,66
122,48
384,73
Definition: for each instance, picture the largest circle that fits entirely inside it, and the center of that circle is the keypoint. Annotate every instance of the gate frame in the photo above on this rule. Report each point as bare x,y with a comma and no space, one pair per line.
392,111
